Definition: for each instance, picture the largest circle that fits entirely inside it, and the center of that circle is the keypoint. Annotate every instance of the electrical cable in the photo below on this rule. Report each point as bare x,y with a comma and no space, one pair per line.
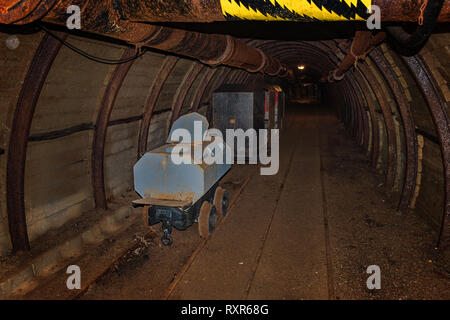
90,56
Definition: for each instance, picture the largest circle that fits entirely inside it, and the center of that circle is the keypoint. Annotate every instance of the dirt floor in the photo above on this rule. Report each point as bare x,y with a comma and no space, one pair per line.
309,232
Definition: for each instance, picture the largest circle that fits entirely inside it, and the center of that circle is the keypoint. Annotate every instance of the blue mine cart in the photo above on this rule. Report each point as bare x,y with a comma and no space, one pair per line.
177,195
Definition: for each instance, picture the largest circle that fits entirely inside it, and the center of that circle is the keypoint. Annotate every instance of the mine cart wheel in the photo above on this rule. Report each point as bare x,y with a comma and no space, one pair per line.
221,201
207,219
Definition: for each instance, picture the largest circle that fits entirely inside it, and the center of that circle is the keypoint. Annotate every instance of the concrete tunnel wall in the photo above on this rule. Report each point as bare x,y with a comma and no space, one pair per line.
58,184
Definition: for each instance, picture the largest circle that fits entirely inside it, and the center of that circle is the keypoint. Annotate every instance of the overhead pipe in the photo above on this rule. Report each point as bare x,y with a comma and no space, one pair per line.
362,44
19,11
430,10
103,18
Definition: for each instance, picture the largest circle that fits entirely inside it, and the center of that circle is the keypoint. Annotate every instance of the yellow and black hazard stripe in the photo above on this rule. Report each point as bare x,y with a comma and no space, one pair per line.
296,10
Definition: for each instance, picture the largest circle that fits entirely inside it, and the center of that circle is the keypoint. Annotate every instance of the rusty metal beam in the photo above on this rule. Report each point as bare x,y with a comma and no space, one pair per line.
366,89
362,134
201,88
104,18
183,90
150,103
101,127
20,130
15,11
407,10
408,127
362,44
438,110
388,121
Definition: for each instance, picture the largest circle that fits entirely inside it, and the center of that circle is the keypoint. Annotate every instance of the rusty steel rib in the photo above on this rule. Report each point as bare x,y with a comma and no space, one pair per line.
20,130
387,115
201,88
101,127
150,103
438,110
373,115
183,90
408,127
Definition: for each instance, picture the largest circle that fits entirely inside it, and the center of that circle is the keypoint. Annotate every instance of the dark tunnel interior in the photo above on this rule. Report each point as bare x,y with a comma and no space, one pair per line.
363,152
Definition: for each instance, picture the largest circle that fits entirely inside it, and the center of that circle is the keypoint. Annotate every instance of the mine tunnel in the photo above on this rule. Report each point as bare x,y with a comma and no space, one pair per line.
359,98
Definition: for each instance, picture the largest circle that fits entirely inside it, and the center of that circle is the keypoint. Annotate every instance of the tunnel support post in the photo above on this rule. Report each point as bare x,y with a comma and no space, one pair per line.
101,127
438,110
20,130
408,127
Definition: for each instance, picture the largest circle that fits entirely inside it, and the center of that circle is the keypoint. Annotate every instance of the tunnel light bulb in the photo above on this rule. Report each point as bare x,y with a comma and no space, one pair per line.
301,67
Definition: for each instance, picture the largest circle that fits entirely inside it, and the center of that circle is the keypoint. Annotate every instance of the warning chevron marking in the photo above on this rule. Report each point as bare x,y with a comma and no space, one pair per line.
296,10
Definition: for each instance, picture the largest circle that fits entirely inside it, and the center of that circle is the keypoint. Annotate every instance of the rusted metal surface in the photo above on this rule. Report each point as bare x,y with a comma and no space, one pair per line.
407,10
188,10
388,121
408,127
363,42
438,110
150,103
22,12
101,127
183,90
170,10
101,17
20,130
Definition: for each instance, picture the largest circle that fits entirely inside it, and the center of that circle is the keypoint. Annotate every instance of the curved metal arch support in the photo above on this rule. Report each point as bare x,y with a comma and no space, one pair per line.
408,127
150,103
361,100
101,128
388,121
183,90
17,152
202,87
438,110
373,116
